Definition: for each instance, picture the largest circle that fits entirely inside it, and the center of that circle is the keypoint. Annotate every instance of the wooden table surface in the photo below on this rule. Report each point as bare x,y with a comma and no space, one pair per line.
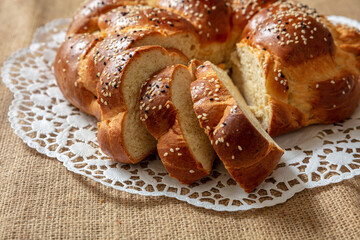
40,199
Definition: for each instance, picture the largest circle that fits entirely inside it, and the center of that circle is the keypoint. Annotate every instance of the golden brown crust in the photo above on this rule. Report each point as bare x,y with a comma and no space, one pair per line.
244,10
67,68
246,153
252,176
156,109
85,20
284,118
336,99
304,102
211,19
160,117
102,53
291,31
111,99
140,18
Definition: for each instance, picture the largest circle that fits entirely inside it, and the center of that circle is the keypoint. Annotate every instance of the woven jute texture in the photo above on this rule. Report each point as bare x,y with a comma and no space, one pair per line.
40,199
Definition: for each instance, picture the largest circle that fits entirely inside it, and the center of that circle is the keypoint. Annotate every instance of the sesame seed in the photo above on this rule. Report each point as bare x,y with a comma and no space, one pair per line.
191,171
165,154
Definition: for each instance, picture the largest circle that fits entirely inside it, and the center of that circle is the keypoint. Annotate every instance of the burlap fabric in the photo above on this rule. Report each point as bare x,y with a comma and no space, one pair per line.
40,199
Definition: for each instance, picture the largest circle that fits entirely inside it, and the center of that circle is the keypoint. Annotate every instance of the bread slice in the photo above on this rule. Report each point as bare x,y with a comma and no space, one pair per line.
121,134
167,110
247,151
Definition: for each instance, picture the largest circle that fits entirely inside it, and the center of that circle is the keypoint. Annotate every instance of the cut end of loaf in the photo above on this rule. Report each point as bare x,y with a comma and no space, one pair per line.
249,77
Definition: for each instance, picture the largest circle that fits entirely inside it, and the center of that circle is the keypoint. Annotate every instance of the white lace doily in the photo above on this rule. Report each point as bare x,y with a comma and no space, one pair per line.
43,119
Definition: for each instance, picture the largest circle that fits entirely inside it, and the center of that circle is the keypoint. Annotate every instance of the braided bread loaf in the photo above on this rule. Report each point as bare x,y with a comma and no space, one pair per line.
293,67
293,72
